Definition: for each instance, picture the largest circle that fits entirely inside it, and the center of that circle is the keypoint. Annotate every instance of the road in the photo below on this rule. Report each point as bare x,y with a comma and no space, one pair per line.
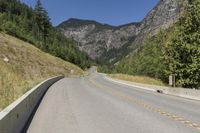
94,105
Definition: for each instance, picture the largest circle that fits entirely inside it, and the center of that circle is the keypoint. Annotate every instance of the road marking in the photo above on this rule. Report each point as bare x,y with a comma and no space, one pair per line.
146,106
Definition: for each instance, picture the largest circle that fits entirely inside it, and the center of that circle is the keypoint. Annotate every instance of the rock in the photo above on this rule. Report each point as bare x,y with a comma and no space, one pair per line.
6,59
72,71
160,91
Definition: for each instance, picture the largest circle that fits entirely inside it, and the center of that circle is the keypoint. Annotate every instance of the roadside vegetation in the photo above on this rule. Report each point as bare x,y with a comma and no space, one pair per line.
137,79
22,66
175,50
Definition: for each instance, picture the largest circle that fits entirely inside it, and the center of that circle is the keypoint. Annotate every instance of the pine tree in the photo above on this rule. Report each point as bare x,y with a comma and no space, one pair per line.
46,26
43,21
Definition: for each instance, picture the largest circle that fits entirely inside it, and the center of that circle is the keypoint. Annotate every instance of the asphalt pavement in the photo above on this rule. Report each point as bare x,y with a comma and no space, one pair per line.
93,104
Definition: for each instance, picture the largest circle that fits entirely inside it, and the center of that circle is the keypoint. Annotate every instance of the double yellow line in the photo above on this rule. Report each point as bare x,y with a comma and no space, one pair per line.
146,106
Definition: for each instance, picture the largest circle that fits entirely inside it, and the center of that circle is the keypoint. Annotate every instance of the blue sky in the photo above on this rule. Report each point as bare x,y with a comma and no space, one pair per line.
113,12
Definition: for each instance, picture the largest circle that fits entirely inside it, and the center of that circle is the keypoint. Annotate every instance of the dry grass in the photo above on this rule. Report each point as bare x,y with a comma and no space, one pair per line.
137,79
26,67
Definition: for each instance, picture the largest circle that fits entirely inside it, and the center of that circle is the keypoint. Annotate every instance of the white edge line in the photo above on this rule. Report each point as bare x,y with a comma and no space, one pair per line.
131,85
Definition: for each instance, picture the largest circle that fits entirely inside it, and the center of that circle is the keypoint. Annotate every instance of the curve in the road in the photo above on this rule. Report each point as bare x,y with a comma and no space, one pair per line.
94,105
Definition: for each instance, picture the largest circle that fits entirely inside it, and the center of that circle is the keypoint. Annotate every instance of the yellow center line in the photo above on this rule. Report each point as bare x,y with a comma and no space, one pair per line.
139,102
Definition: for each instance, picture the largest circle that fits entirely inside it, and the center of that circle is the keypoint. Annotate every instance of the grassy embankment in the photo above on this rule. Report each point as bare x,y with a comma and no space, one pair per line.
137,79
22,66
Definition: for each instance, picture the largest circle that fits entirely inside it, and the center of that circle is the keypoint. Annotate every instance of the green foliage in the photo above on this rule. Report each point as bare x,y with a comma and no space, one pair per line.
34,26
42,20
184,56
148,59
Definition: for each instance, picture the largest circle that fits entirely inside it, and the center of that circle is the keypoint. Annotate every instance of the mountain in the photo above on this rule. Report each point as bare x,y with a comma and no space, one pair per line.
95,38
161,17
109,43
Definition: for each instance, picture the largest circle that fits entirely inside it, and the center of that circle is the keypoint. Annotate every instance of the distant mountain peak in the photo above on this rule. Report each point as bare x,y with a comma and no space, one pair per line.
75,23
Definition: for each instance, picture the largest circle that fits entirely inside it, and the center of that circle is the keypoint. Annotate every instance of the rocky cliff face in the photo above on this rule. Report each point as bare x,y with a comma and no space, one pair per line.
161,17
97,39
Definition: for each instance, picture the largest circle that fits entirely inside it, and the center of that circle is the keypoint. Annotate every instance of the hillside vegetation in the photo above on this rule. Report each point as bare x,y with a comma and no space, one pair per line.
34,26
175,50
22,66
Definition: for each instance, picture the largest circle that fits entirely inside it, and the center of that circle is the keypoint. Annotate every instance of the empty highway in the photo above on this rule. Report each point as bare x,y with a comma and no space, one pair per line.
94,105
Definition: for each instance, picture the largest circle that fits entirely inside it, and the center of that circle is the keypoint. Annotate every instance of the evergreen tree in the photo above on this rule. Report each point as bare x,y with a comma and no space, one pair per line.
43,21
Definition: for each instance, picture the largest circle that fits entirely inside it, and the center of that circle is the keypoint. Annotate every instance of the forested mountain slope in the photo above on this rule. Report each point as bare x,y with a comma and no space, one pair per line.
34,26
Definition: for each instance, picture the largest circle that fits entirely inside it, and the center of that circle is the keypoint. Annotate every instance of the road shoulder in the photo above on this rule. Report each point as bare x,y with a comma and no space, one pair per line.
178,92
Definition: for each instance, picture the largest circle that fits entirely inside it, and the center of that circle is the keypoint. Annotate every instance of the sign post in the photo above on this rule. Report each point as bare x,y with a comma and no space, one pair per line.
172,80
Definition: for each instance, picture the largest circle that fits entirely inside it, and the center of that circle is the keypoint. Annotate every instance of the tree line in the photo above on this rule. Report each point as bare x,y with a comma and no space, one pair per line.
34,26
